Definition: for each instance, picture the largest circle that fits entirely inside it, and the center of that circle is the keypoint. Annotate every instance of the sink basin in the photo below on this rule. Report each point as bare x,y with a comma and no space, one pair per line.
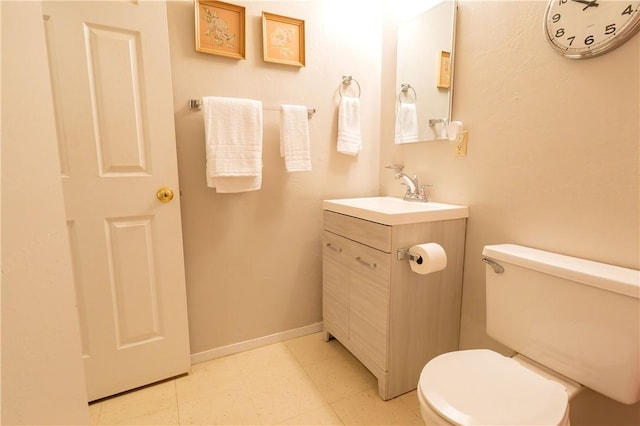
395,211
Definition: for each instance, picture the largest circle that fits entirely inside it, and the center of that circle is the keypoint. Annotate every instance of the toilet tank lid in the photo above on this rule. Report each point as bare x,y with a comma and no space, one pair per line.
601,275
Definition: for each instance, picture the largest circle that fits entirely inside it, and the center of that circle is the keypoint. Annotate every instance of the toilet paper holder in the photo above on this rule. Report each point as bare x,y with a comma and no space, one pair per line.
405,254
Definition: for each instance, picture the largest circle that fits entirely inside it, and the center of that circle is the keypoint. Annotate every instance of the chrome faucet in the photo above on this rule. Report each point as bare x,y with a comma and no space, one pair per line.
414,192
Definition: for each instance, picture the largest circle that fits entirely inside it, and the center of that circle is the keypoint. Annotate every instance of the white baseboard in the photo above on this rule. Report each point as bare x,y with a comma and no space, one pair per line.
254,343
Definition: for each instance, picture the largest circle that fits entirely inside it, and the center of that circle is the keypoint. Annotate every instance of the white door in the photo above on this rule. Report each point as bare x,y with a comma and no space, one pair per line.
111,80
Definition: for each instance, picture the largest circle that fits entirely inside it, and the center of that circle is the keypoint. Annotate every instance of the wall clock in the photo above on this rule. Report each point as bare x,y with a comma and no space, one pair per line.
586,28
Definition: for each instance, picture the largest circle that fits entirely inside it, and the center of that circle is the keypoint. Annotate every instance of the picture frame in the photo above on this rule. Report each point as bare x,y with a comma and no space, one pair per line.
444,70
283,39
220,28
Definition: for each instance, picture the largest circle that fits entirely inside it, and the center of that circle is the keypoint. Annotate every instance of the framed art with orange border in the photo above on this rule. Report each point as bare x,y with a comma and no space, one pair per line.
220,28
444,70
283,39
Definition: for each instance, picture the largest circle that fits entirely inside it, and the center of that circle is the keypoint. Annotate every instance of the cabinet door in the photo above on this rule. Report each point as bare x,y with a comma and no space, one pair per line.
335,286
369,302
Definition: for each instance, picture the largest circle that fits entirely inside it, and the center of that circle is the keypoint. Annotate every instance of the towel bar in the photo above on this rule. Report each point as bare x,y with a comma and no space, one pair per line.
196,104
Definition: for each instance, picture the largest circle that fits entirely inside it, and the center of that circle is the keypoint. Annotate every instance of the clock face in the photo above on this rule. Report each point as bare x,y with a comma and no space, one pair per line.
588,28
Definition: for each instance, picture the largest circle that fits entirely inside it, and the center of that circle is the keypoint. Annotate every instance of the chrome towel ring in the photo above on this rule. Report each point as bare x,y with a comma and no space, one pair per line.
404,89
346,81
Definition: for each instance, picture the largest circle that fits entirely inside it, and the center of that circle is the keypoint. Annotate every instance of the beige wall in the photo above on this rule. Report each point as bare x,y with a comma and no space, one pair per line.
253,259
553,146
42,375
553,159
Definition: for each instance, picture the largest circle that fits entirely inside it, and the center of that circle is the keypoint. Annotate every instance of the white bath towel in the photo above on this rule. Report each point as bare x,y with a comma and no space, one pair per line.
406,123
233,131
349,136
294,138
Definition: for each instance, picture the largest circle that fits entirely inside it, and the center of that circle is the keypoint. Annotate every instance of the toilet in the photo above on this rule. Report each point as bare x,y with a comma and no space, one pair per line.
573,323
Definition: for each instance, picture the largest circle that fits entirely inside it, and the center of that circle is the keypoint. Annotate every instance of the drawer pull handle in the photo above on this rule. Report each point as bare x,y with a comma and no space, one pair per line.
338,249
370,265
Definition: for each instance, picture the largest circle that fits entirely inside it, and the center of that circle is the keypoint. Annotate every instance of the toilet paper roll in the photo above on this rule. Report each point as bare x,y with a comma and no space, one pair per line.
432,258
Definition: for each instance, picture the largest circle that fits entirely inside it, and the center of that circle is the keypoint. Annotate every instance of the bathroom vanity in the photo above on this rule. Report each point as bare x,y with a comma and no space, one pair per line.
392,319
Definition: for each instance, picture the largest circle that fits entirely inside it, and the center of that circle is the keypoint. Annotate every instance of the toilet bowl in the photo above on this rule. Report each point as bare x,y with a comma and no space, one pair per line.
541,305
482,387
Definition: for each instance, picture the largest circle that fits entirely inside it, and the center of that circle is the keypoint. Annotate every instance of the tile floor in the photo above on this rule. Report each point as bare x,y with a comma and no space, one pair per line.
303,381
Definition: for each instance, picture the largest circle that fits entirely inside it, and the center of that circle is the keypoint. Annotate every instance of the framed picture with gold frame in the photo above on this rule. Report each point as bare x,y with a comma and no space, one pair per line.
444,70
283,39
220,28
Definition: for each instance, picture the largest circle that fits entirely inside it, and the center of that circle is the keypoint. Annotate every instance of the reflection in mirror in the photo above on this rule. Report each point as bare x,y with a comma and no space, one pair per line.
424,73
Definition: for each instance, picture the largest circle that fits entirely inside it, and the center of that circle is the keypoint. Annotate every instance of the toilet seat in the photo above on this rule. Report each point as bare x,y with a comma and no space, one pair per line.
482,387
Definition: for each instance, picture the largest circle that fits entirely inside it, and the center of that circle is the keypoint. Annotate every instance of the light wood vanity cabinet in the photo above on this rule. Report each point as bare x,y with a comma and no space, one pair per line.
392,319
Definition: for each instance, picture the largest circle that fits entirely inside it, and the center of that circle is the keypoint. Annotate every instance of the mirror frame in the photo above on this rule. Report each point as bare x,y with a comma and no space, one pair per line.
430,126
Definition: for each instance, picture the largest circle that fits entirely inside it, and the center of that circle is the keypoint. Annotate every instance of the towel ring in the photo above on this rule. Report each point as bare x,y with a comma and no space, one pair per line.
346,80
404,88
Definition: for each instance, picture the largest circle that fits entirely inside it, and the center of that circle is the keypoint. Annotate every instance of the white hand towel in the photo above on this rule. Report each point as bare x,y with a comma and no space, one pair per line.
294,138
233,131
406,123
349,136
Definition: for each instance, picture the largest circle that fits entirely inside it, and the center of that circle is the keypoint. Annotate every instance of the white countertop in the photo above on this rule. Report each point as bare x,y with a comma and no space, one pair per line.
395,211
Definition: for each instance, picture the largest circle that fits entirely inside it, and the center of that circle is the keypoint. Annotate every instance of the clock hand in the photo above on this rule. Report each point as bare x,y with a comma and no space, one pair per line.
588,3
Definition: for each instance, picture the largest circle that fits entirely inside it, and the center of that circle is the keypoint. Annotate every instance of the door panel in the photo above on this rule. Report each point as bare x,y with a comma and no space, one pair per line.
133,282
116,95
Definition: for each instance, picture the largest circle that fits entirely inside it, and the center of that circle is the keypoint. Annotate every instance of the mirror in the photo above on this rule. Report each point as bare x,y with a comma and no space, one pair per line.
424,73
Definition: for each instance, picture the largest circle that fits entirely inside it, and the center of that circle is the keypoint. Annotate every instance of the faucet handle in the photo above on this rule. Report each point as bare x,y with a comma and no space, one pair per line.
397,167
422,194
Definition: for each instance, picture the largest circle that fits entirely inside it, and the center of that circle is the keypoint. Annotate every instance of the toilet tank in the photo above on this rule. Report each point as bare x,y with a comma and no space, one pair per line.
577,317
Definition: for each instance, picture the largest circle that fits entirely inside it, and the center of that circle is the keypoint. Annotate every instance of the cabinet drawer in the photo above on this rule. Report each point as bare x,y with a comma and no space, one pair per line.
371,234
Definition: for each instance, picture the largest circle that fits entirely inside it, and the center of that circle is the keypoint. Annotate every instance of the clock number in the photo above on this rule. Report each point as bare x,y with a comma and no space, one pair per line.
590,27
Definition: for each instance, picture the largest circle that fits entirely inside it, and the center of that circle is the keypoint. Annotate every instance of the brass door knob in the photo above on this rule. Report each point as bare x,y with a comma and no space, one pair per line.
165,194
